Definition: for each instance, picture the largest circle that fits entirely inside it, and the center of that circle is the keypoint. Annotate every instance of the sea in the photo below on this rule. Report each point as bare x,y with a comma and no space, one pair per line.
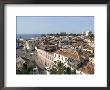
27,36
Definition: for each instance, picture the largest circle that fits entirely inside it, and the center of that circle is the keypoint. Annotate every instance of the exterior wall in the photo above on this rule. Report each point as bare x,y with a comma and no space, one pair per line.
48,59
88,33
27,45
80,72
45,58
60,58
88,50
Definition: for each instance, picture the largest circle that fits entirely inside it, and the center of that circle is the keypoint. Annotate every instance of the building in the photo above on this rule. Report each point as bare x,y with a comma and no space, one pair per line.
88,33
83,33
45,58
19,62
88,69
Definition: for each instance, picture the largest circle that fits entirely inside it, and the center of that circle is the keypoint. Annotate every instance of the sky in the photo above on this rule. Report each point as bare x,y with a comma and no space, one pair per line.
54,24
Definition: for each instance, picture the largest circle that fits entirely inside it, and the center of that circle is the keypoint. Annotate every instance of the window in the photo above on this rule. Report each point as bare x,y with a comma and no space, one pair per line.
70,60
59,56
55,55
65,59
62,58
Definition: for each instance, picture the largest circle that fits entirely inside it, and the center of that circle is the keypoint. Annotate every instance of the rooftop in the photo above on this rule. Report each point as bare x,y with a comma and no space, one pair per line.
69,53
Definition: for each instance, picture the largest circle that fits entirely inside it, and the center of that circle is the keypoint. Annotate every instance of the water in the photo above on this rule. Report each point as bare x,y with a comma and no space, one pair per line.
27,36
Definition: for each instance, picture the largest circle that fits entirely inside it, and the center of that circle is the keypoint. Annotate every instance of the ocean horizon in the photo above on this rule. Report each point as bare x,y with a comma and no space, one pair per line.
27,36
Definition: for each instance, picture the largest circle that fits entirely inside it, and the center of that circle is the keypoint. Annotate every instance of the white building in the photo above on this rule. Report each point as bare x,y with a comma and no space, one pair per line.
63,55
59,57
45,57
88,33
83,33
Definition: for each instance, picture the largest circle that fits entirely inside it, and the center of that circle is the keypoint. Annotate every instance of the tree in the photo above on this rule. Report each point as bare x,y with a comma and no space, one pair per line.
59,68
68,70
53,70
26,69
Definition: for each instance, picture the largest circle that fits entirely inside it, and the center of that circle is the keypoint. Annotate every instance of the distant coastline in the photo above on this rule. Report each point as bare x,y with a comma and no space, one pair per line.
27,36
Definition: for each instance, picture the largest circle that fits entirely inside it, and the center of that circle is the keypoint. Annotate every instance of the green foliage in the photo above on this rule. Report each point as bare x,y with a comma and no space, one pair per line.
26,69
59,68
68,70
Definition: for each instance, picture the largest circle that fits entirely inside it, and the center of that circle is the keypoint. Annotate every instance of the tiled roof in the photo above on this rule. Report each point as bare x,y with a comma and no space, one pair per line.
69,53
87,47
88,69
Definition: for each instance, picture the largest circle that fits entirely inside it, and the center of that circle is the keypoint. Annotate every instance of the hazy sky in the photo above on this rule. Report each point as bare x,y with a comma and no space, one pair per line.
51,24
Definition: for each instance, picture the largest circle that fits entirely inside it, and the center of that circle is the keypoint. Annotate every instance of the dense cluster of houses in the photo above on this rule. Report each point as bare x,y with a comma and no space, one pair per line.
76,52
